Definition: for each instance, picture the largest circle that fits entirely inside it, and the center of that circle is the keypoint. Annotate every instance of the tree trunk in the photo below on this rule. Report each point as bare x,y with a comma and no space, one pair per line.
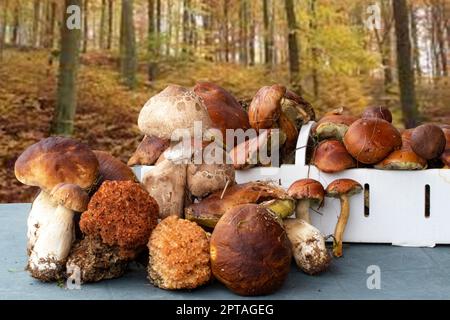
404,63
268,41
36,24
110,24
66,100
86,26
16,25
243,33
415,38
251,41
102,26
314,51
3,28
186,20
151,41
128,45
226,30
440,29
169,28
294,63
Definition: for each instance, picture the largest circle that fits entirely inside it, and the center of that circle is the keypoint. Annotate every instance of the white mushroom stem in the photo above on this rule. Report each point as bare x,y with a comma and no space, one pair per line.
50,236
302,210
341,224
308,246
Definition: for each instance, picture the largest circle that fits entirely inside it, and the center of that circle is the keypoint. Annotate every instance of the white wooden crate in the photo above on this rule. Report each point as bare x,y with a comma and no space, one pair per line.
396,212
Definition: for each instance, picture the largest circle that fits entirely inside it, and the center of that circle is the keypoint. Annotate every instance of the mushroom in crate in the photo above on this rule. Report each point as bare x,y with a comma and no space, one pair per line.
445,157
331,156
428,141
65,170
333,126
116,226
308,243
371,140
250,251
342,189
179,255
208,211
377,112
404,158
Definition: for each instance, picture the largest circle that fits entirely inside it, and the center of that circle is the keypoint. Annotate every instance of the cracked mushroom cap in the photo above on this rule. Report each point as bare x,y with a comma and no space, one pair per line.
56,160
224,110
333,126
265,108
250,251
331,156
428,141
371,140
122,214
111,168
377,112
70,196
307,189
343,187
178,255
173,108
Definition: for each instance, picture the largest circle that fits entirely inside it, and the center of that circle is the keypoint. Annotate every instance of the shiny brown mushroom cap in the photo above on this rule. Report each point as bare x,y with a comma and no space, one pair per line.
377,112
428,141
307,189
265,107
331,156
111,168
371,140
343,187
70,196
224,110
56,160
403,159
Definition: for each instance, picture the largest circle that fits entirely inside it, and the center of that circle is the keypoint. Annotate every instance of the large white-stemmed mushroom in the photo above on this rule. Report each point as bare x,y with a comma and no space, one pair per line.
65,170
308,244
342,189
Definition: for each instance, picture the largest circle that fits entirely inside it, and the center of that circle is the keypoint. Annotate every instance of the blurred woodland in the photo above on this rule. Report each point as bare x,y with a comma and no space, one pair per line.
91,82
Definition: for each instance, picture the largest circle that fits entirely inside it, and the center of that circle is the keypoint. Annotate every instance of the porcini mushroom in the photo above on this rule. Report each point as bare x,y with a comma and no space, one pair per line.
65,170
308,243
331,156
250,251
116,226
428,141
208,211
111,168
371,140
178,255
342,189
377,112
333,126
148,151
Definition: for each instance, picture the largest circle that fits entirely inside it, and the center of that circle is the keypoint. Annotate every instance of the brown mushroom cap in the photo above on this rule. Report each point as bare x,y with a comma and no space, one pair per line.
445,158
148,151
343,187
250,251
111,168
428,141
173,108
265,107
333,126
307,189
178,255
56,160
70,196
377,112
331,156
122,214
371,140
224,110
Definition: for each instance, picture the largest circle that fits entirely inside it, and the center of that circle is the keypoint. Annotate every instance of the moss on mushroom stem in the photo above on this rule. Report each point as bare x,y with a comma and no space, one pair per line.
341,224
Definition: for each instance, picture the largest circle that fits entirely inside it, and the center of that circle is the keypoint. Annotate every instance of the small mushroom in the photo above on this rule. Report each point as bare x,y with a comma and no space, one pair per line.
371,140
65,170
148,151
428,141
342,189
116,226
307,192
377,112
308,244
331,156
333,126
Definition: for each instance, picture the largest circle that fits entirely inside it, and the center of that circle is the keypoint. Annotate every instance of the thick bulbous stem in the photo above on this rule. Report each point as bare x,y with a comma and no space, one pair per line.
302,210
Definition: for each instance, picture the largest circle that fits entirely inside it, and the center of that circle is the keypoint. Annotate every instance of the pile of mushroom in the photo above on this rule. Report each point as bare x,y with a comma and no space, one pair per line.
345,142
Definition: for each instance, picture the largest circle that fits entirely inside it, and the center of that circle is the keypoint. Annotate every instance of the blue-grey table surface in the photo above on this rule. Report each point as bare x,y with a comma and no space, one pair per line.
405,273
